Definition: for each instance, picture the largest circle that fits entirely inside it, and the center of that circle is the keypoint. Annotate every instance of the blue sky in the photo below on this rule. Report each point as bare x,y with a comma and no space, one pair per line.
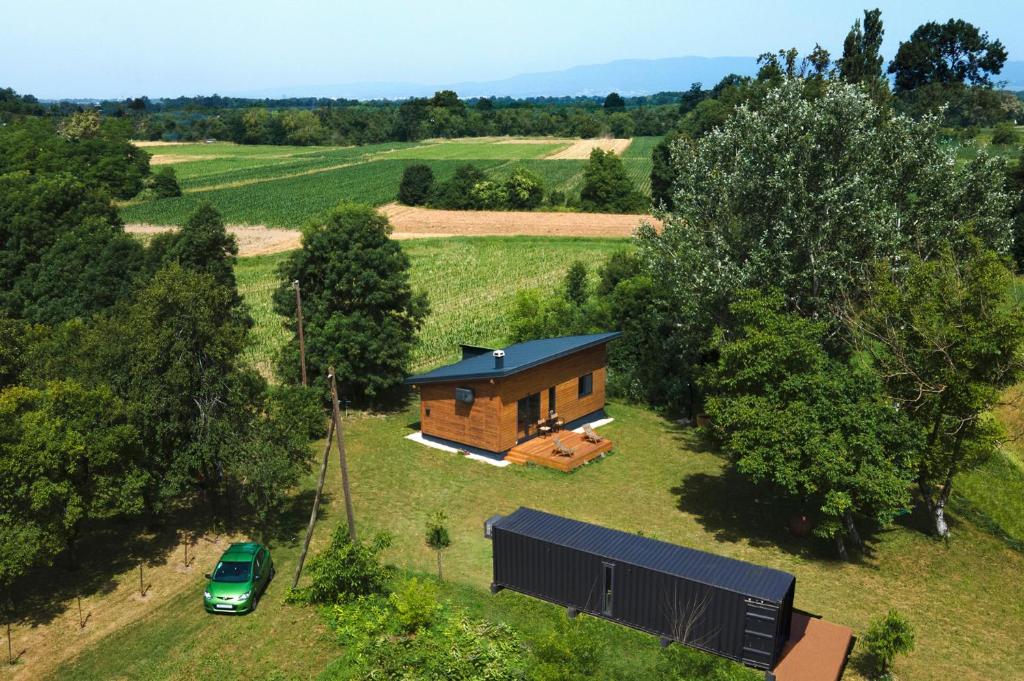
108,48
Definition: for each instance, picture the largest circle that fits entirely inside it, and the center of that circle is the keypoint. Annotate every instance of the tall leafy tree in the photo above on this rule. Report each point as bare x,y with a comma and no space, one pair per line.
956,52
793,418
804,193
947,337
69,455
607,188
862,58
614,102
203,245
361,313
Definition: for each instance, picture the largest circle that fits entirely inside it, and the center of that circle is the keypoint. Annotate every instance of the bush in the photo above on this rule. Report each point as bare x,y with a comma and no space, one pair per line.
1004,134
606,187
164,183
886,637
415,604
454,647
345,570
417,185
523,190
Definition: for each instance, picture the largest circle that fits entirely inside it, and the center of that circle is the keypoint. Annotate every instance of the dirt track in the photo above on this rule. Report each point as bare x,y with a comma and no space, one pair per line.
425,223
580,149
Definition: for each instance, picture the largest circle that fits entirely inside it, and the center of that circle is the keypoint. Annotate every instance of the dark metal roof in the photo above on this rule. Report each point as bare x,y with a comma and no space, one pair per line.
707,568
518,357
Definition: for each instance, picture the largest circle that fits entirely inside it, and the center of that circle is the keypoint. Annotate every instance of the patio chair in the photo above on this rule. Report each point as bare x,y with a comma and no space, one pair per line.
543,428
590,436
561,449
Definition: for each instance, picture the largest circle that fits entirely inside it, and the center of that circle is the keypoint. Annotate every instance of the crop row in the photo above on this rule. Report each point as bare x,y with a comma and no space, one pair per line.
492,269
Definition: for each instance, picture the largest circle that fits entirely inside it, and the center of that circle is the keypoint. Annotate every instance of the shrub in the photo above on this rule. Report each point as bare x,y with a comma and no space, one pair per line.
489,195
523,190
345,570
886,637
606,187
164,183
415,604
1004,134
454,647
417,185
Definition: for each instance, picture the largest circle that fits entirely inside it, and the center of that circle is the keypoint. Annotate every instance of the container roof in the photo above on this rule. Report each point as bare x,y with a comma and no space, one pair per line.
518,357
707,568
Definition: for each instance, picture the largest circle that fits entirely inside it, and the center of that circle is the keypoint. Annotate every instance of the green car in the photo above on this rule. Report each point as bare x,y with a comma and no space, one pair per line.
241,577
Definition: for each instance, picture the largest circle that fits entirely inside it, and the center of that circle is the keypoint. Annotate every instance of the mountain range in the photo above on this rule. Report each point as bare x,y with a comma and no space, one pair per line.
628,77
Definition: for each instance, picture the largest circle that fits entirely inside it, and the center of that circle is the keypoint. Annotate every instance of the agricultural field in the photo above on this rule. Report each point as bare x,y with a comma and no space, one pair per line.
287,186
490,269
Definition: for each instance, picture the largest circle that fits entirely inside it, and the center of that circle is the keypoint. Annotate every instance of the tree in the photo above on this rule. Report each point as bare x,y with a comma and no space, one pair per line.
345,570
361,314
886,637
202,245
1004,134
177,365
165,183
272,454
89,268
437,537
956,52
820,430
68,455
607,188
35,210
946,335
621,125
862,59
691,98
417,185
523,190
858,184
614,102
456,193
576,284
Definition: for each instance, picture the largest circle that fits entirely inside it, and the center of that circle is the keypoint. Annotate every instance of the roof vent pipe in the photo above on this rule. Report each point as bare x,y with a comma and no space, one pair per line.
499,359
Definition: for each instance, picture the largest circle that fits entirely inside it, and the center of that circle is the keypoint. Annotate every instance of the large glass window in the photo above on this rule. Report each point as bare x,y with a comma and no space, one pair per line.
586,385
552,407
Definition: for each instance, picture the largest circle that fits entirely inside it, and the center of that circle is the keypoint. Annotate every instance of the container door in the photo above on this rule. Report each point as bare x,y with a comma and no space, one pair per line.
759,634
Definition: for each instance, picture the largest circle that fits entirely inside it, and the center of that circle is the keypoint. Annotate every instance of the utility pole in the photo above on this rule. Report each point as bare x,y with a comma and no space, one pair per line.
302,336
316,505
341,457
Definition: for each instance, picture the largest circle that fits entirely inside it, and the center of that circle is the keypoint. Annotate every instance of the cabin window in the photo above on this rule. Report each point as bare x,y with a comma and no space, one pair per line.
551,400
586,385
609,585
427,410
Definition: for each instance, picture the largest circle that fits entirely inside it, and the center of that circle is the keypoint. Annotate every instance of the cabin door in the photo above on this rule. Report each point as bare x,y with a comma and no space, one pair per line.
759,631
528,415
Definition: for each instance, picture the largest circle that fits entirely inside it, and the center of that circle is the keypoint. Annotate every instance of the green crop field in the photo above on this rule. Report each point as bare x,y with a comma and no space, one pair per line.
286,186
470,282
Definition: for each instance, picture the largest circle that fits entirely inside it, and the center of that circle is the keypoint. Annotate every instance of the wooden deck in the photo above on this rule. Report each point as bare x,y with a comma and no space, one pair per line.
541,451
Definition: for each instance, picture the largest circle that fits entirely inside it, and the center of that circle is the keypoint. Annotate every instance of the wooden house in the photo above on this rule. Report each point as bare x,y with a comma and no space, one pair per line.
494,400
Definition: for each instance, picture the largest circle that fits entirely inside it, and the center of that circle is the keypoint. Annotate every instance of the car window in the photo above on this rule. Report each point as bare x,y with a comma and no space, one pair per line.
231,571
259,562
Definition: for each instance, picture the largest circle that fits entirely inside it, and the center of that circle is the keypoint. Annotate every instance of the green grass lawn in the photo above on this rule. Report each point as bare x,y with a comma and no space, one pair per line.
965,598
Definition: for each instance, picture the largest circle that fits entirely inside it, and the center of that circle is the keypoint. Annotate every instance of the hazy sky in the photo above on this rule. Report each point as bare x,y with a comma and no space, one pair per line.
118,48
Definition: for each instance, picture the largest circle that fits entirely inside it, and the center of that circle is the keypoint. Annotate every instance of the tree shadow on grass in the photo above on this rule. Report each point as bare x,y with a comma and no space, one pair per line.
733,509
109,549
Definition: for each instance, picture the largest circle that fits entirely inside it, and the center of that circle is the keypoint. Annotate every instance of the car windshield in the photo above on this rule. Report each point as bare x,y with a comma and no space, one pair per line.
231,571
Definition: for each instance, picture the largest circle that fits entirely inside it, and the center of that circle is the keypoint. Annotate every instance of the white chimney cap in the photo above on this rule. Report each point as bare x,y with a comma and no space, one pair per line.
499,353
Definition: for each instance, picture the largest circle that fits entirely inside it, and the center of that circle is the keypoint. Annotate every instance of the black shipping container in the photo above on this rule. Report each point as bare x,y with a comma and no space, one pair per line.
724,606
